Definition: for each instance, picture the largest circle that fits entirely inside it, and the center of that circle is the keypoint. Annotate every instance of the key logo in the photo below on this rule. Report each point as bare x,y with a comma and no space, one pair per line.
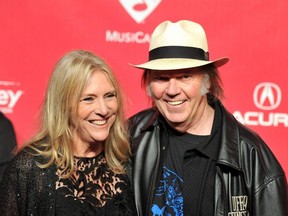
267,96
139,10
10,94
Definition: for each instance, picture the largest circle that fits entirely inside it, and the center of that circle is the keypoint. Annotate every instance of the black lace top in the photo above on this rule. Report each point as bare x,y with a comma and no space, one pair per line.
93,189
27,189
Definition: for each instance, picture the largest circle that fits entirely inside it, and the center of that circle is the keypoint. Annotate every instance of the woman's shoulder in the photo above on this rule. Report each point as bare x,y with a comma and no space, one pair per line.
19,167
23,159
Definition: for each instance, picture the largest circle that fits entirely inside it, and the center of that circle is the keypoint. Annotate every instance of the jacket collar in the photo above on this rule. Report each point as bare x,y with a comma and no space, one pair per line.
229,149
152,121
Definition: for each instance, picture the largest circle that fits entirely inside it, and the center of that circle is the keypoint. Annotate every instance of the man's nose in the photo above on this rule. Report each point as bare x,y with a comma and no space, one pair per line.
173,87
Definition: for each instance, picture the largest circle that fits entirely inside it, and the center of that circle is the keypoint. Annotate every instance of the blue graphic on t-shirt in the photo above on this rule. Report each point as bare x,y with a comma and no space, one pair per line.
170,191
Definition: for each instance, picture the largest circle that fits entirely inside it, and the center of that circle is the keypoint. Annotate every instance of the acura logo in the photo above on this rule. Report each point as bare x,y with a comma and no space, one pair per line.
267,96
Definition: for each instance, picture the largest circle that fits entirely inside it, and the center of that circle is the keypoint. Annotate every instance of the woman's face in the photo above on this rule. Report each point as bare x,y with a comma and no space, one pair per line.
97,110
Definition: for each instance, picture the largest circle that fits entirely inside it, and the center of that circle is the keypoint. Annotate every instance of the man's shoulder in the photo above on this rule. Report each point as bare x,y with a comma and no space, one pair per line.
5,124
146,113
142,120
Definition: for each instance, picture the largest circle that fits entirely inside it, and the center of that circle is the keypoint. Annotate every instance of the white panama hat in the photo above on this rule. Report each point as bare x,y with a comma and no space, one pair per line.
178,45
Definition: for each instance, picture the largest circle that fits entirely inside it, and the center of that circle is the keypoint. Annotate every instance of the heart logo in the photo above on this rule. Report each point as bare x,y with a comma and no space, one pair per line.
139,10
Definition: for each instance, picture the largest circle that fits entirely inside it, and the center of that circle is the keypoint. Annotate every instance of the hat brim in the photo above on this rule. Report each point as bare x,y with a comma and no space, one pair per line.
178,63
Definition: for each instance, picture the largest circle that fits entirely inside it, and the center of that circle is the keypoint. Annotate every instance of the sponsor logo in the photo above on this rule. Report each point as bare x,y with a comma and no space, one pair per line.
239,206
267,97
139,10
9,95
127,37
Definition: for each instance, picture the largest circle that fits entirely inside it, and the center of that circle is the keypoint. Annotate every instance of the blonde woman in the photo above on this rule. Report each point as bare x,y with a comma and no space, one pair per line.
77,164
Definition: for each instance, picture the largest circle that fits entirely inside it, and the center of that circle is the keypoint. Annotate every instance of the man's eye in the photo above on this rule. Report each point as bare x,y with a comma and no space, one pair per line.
160,78
186,76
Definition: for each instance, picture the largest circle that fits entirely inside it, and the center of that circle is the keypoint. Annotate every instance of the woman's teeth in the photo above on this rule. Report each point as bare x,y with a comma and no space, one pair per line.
98,122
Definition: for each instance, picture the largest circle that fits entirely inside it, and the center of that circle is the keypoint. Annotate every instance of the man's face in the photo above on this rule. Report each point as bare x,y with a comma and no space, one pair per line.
179,95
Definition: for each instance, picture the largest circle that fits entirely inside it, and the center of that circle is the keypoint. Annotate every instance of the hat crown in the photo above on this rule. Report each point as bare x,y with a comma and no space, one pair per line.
182,33
179,45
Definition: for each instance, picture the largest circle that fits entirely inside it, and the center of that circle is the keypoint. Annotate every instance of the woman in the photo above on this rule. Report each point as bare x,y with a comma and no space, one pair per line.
75,164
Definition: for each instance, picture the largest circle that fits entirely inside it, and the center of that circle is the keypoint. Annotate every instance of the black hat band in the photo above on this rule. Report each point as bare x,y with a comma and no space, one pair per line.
178,52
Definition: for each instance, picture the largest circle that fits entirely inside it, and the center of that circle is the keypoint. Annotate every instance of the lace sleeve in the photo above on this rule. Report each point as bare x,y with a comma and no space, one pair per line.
13,188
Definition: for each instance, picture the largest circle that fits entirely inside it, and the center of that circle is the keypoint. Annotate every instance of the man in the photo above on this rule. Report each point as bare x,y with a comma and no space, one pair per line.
7,142
190,155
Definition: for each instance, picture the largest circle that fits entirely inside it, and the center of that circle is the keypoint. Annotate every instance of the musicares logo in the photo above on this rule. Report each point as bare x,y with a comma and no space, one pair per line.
267,97
139,10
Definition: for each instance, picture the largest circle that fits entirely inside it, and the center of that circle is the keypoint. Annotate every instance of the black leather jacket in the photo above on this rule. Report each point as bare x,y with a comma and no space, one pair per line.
249,179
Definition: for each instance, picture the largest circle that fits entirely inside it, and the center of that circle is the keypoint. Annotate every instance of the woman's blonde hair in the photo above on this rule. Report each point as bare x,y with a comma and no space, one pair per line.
54,138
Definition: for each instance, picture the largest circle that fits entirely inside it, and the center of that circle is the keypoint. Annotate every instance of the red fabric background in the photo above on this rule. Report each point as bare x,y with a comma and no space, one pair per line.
253,34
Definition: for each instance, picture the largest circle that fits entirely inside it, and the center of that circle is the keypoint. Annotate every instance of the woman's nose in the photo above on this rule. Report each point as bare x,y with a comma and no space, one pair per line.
101,107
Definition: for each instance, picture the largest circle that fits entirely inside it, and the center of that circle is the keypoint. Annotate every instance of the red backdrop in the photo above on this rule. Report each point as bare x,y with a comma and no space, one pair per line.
253,34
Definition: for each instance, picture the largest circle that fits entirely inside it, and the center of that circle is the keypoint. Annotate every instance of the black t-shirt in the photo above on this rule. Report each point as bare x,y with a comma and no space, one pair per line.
186,182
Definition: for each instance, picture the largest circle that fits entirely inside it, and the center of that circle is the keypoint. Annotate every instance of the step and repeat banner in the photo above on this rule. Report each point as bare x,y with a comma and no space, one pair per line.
34,34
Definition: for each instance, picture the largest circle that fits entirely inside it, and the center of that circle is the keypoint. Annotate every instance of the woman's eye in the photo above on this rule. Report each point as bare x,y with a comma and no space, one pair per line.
87,99
110,96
